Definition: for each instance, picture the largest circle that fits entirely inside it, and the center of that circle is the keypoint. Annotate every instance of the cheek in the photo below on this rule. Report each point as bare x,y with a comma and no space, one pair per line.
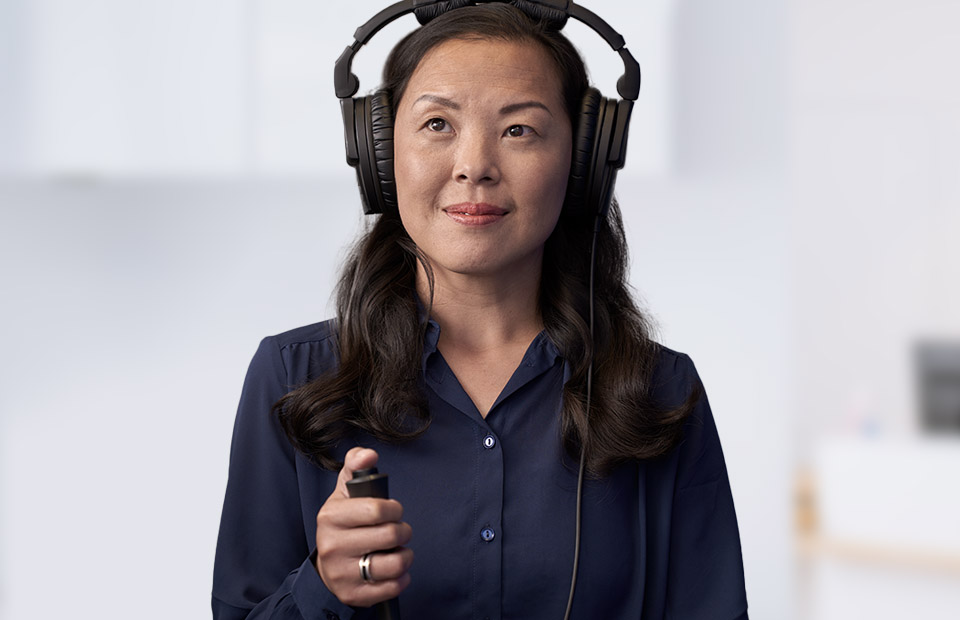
401,165
555,177
415,171
551,191
411,177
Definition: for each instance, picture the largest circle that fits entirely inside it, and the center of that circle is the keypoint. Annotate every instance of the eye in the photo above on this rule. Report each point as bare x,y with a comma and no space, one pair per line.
518,131
437,124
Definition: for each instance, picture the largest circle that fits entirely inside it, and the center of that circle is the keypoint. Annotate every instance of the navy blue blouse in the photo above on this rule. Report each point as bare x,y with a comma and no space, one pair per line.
491,502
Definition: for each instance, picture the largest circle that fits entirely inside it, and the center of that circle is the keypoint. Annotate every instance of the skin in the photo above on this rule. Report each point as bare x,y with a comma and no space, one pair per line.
482,145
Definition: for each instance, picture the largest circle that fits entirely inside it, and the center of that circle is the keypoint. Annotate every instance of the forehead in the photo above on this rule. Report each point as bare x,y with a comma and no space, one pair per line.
496,67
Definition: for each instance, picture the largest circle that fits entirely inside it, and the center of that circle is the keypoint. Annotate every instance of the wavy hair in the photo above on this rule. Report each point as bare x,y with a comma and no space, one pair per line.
377,388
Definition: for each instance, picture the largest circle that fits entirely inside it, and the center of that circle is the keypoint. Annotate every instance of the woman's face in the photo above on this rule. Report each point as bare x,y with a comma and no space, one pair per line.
482,147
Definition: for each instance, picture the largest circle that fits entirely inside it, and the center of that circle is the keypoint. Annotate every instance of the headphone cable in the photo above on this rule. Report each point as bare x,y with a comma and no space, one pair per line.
583,439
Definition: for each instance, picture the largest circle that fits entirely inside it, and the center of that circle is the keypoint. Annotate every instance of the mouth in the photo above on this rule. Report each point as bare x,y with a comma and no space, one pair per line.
475,208
475,213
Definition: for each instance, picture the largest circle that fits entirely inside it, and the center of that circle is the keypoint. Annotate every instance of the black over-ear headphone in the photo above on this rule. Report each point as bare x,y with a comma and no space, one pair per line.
600,137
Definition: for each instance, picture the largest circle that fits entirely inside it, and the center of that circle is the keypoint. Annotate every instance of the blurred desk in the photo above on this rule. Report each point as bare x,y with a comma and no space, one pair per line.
811,546
884,494
878,529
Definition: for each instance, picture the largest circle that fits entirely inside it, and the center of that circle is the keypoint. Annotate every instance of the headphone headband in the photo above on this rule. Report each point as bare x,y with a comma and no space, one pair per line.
346,83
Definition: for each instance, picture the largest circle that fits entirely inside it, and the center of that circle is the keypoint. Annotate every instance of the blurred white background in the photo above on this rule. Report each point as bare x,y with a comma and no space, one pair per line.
173,188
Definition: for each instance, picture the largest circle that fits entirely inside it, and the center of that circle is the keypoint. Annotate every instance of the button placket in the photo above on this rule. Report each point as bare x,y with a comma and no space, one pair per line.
489,537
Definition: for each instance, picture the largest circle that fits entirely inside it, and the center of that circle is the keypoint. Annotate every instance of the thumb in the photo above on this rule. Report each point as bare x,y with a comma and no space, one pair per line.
356,458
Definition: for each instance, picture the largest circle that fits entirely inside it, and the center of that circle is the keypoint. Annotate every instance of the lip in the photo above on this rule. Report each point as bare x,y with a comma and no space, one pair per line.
475,213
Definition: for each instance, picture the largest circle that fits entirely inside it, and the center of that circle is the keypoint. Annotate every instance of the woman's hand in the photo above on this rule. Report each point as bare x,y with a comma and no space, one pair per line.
347,528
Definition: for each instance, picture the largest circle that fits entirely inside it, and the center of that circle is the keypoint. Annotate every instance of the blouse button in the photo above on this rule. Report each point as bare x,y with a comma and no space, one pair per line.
489,441
487,534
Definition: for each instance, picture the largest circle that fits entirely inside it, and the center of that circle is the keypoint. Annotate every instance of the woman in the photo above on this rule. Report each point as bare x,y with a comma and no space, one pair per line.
459,364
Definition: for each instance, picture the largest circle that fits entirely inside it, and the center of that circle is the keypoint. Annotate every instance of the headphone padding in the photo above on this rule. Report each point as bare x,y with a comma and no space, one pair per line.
584,146
366,163
381,126
556,18
430,11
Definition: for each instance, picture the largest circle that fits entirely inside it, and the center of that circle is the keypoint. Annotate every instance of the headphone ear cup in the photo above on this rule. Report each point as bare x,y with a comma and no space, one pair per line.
584,152
373,128
604,172
381,128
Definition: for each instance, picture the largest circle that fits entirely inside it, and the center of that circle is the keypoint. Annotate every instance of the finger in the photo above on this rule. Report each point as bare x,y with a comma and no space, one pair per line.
367,594
356,458
354,542
389,565
359,511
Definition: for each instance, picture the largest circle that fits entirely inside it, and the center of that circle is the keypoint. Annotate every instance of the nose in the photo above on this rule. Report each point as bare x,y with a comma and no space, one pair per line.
477,159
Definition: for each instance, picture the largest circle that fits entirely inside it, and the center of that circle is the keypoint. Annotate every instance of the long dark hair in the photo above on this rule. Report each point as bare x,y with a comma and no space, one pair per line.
377,387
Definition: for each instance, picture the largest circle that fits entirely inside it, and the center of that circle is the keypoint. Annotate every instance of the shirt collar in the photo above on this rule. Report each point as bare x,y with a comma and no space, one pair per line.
430,339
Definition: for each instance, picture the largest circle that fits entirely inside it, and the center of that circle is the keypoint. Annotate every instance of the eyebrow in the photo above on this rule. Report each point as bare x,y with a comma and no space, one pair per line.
516,107
507,109
447,103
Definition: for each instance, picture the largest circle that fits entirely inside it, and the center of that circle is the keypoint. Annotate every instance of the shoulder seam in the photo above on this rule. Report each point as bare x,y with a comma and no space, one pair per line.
668,350
319,332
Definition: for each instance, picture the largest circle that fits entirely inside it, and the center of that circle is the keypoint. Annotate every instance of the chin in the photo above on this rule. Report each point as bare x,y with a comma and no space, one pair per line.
482,268
486,262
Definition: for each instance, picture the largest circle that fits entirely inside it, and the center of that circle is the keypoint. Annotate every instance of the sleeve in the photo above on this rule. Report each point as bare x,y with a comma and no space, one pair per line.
705,566
263,566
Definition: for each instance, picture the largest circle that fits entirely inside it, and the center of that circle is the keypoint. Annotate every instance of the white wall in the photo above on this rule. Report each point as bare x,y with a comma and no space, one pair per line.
109,88
130,312
875,169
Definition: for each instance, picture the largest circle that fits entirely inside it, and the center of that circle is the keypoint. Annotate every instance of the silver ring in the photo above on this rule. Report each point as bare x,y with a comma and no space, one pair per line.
365,568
